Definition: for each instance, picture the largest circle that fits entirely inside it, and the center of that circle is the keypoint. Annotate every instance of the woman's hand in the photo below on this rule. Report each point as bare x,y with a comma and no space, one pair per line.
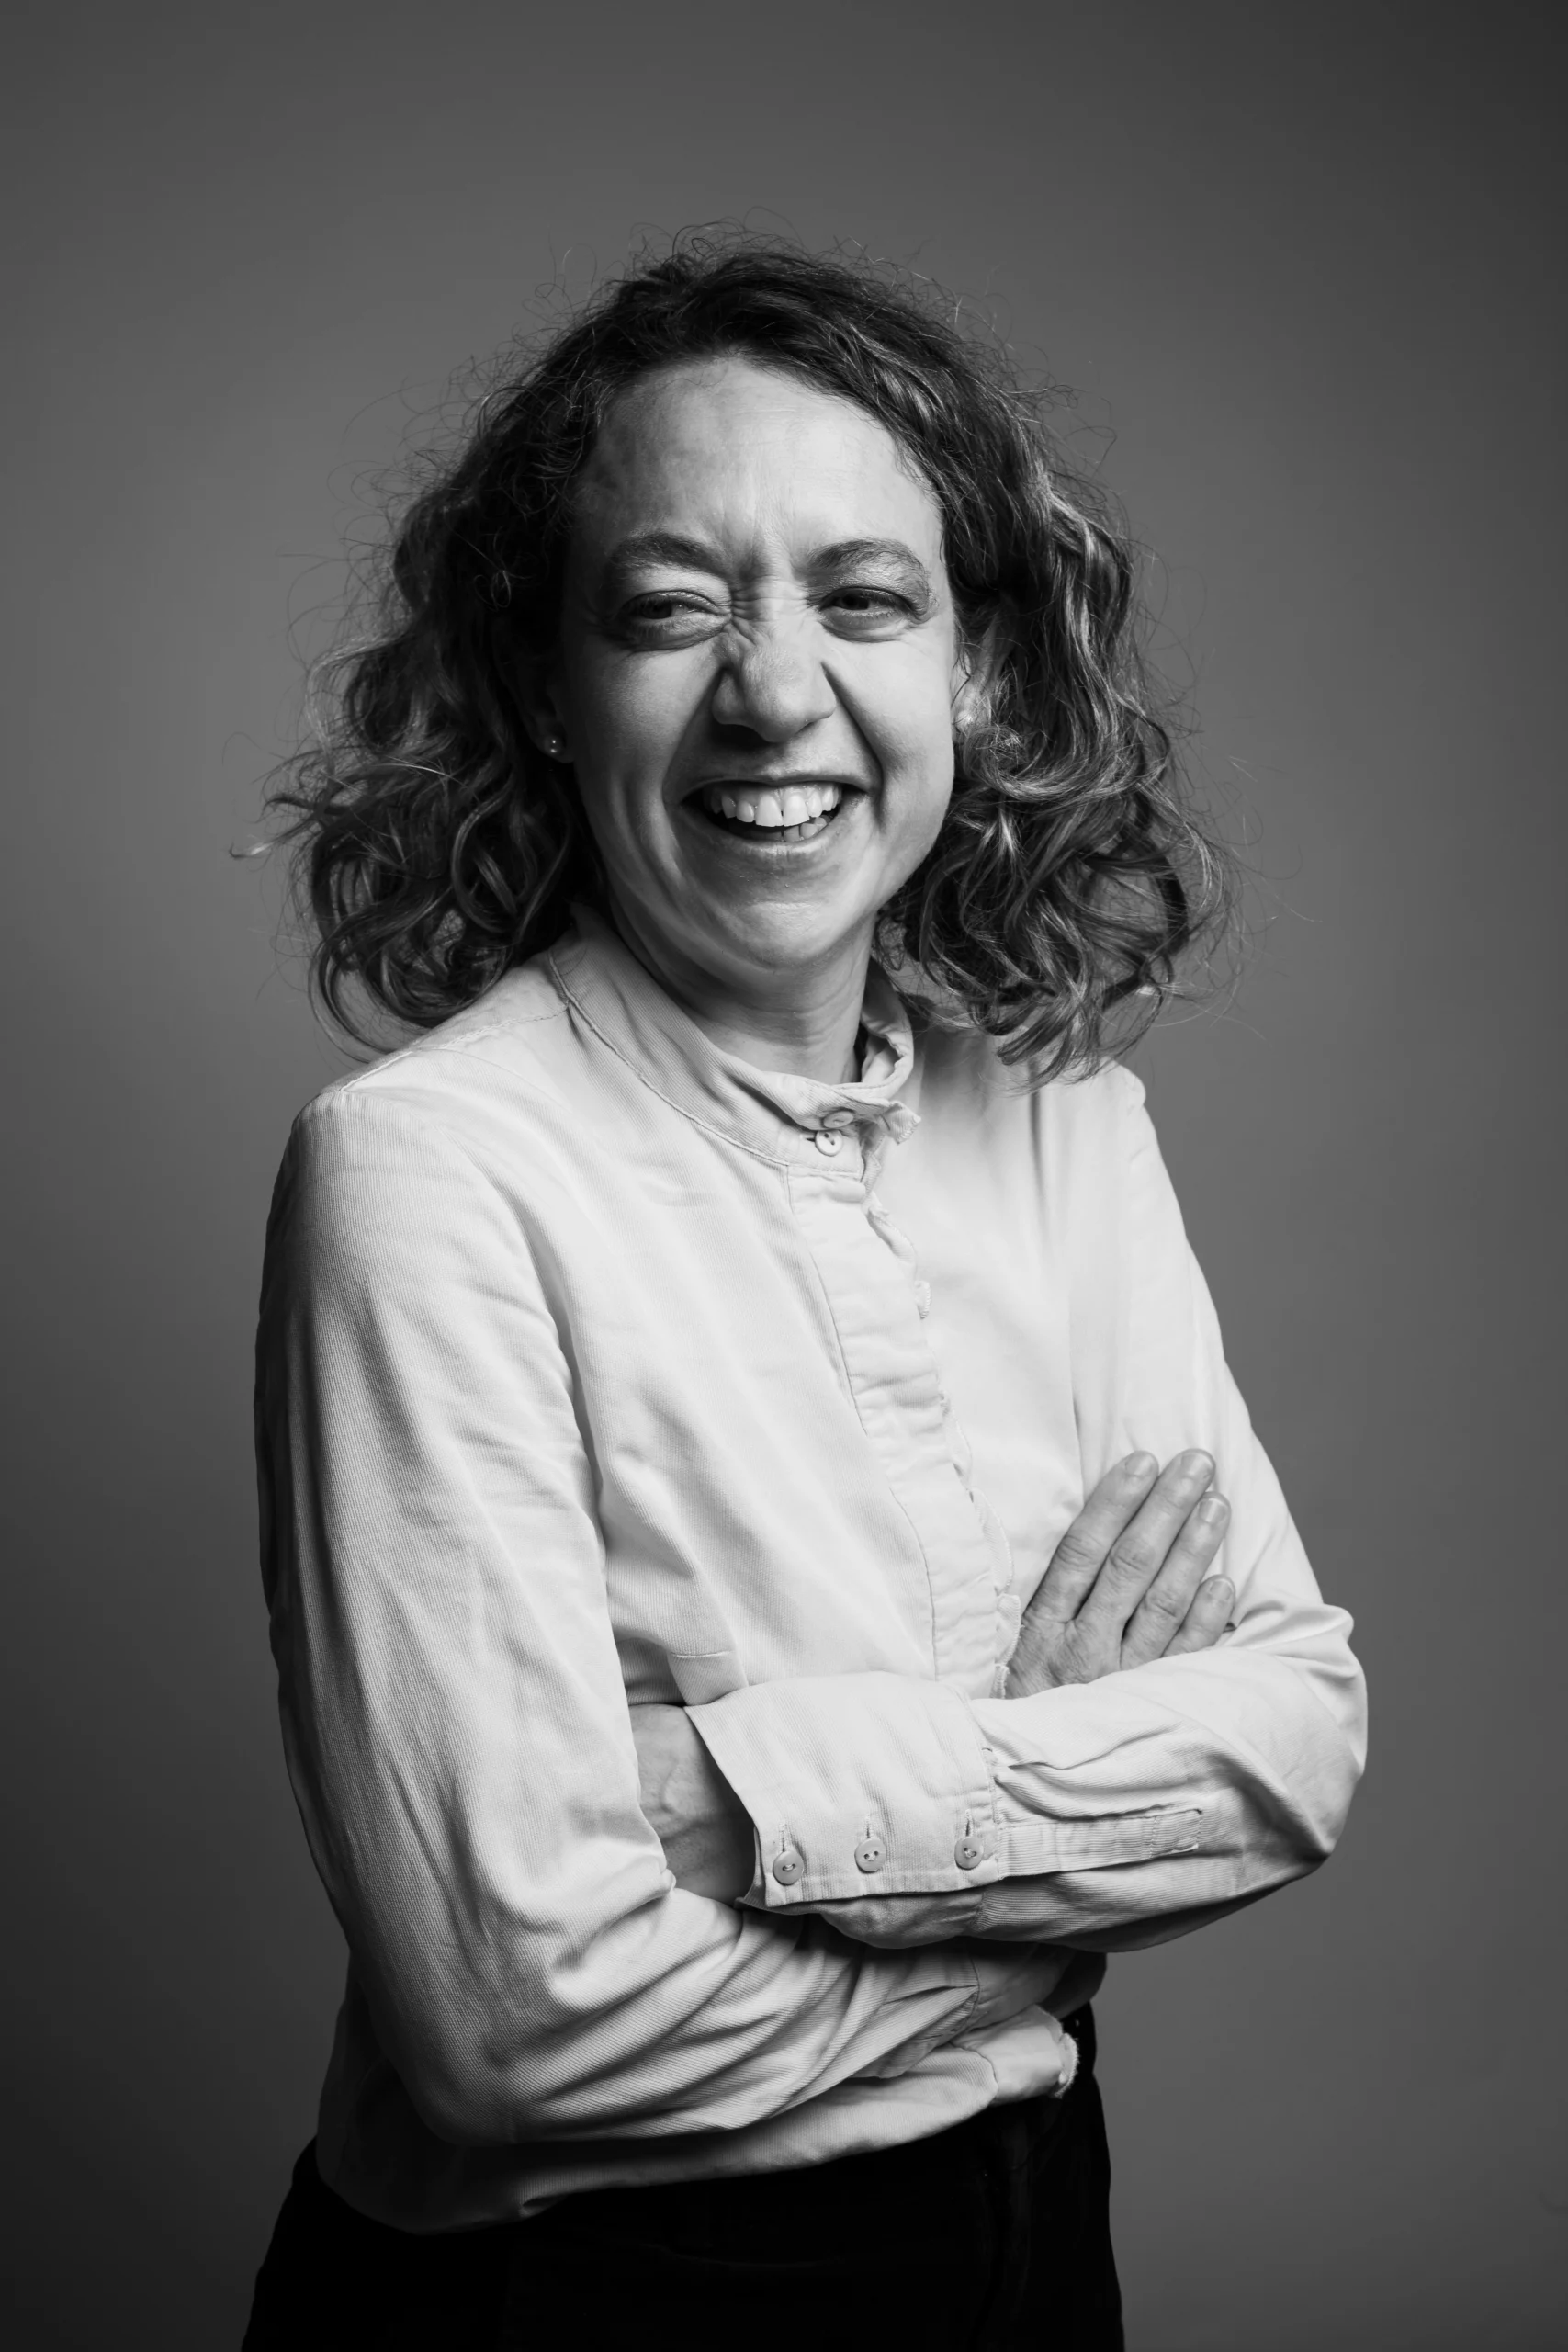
1127,1581
701,1825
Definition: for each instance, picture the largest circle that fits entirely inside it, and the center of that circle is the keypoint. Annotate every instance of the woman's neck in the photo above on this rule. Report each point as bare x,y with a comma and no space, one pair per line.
805,1023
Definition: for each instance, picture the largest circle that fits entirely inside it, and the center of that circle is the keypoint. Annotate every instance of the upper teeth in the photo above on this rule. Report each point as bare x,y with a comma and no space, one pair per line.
792,804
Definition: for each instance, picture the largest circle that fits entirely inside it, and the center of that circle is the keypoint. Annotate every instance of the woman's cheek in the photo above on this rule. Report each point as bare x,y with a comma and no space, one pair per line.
656,705
908,697
918,759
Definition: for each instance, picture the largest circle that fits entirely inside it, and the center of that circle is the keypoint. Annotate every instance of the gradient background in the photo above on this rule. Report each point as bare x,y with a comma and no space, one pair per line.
1303,266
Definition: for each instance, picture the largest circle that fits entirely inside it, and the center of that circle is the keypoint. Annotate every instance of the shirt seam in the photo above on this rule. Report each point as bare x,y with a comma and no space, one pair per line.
752,1151
362,1082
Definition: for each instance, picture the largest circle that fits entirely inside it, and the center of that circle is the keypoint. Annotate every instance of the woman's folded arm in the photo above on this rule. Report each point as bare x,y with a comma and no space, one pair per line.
1105,1814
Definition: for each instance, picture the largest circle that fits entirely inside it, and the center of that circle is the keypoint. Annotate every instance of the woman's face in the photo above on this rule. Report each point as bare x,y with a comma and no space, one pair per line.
757,671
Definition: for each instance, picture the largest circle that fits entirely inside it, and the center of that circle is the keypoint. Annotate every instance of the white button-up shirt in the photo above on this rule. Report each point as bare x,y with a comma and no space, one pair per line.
598,1367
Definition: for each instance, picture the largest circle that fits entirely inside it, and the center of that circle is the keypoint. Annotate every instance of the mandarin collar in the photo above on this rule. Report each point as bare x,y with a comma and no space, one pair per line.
627,1007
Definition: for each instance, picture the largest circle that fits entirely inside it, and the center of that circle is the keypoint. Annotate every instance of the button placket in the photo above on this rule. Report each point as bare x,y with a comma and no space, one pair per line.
868,1271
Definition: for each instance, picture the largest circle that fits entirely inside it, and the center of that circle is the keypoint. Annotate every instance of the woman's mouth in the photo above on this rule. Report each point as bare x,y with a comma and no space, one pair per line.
764,814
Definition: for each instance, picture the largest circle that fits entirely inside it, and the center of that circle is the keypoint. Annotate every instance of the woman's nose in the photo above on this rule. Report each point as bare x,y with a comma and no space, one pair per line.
774,684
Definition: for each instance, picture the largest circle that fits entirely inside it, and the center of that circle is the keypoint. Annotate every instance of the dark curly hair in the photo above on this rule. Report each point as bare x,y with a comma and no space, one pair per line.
436,847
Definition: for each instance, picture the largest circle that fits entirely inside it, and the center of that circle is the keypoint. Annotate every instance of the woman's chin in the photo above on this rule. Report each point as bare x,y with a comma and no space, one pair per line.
775,939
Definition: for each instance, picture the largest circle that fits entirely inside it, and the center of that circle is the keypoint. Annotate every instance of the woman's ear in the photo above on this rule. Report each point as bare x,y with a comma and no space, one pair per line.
538,703
974,677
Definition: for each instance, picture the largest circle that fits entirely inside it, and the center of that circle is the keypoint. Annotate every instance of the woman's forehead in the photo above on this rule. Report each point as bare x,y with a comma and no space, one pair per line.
717,445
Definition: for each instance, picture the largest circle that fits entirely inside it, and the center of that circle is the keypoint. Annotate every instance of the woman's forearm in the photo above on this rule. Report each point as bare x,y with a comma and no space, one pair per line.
1119,1810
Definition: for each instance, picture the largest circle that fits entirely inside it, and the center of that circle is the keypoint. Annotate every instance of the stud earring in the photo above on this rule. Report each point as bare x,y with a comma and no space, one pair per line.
556,746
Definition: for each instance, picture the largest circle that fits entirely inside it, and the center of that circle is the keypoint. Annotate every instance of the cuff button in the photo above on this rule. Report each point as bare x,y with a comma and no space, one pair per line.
968,1852
788,1867
870,1855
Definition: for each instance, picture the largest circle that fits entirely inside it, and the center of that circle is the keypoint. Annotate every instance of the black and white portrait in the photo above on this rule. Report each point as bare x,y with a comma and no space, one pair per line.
785,888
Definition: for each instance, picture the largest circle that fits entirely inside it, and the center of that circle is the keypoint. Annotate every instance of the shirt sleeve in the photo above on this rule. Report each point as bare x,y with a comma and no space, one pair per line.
454,1721
1104,1815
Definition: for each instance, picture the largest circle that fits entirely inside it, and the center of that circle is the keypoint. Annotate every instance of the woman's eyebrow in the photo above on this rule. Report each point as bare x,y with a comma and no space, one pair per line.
845,554
662,546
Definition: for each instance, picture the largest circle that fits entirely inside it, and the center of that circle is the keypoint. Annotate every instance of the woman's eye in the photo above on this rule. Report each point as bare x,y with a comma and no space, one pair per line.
666,611
868,605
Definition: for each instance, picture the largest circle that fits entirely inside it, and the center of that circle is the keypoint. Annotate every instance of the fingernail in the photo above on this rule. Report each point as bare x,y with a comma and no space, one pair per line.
1212,1509
1140,1465
1197,1465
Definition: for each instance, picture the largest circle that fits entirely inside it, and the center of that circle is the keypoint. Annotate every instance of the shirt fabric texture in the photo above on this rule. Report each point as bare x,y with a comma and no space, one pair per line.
597,1367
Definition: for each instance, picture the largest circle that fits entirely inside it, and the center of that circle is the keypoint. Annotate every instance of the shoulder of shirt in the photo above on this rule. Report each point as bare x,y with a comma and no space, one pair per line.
505,1035
962,1072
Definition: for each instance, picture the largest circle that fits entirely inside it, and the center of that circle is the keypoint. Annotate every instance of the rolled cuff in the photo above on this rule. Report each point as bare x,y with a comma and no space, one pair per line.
907,1804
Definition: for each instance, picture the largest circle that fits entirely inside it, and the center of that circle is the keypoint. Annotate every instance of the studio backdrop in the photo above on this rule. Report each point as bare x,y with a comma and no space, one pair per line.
1300,269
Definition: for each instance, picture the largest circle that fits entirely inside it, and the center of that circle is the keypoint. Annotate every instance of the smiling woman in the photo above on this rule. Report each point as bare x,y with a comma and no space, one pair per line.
742,1662
445,836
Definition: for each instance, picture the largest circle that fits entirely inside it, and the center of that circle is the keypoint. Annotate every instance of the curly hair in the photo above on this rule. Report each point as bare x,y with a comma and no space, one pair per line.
436,847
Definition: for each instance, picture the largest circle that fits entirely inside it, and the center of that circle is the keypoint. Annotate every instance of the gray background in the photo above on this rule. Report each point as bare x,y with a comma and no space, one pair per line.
1301,265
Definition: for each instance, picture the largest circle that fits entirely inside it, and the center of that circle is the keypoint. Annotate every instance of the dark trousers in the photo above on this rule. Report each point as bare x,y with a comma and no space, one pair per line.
991,2237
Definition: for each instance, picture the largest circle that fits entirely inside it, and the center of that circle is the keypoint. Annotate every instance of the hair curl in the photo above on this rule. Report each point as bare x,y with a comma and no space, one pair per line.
436,847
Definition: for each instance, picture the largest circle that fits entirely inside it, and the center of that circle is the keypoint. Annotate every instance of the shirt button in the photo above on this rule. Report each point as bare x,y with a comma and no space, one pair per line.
870,1855
788,1866
967,1852
828,1142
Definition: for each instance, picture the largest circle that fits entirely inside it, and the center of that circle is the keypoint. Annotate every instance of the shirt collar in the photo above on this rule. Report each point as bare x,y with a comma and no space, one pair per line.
627,1007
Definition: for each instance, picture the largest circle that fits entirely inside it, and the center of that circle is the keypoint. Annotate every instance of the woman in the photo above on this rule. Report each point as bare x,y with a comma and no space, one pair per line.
770,1578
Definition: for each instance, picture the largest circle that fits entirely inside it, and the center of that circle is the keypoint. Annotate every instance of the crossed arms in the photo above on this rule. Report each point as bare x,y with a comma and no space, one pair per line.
1203,1823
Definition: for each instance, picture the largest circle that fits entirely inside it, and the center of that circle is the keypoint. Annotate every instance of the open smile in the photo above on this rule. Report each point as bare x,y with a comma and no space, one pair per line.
766,816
